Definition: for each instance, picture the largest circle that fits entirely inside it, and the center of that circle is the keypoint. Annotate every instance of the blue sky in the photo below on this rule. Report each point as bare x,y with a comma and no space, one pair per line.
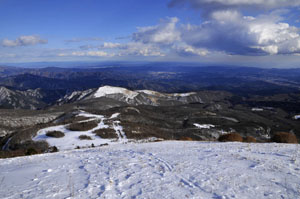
240,32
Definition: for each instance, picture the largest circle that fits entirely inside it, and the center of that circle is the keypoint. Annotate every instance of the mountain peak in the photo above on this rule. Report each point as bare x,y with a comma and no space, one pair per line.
108,90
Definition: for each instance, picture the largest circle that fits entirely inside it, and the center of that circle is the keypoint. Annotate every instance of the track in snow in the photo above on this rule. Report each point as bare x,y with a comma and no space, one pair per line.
157,170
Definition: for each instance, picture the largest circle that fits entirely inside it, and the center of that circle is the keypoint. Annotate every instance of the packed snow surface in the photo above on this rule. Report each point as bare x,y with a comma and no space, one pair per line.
172,169
107,90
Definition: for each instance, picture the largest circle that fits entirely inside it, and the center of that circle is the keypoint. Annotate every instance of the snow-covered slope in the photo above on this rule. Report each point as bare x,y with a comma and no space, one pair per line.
71,139
157,170
108,90
146,97
29,99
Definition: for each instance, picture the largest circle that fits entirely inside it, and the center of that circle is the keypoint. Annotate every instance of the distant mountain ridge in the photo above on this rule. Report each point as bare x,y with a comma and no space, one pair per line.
29,99
142,97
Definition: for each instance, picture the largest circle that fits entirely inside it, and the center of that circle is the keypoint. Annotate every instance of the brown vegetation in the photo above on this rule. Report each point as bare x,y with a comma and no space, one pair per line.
85,137
284,137
82,126
231,137
186,139
55,134
249,139
106,133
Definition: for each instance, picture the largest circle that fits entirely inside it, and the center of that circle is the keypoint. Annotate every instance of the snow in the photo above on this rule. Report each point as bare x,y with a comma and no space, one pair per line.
173,169
149,92
204,126
183,94
115,115
257,109
119,130
107,90
71,139
297,117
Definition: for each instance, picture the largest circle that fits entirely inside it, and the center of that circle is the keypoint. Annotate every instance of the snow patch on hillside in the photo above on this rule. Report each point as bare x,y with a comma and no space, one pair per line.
201,170
108,90
204,126
71,138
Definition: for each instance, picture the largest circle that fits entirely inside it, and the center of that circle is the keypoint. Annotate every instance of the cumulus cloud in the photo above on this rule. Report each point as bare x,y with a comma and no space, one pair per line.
76,40
105,45
24,41
229,4
233,33
164,33
128,49
140,49
86,54
187,50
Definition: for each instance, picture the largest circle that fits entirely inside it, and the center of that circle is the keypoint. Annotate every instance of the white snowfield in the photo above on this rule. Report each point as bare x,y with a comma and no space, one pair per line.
108,90
173,169
71,138
204,126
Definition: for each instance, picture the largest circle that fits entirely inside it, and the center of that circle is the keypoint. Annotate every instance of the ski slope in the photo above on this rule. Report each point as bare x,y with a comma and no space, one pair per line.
171,169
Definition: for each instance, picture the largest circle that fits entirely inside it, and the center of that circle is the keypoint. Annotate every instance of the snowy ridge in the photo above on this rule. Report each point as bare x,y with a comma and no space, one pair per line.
137,97
108,90
201,170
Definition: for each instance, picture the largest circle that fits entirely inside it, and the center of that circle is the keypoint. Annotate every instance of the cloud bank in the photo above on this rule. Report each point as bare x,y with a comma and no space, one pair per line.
229,4
27,40
224,30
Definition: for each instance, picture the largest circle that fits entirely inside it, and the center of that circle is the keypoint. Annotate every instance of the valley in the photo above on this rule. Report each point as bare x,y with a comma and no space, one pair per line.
174,111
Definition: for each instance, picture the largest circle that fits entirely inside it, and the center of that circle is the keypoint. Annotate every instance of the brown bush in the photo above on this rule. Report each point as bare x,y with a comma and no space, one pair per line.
106,133
55,134
284,137
85,137
231,137
82,126
249,139
31,151
186,139
11,154
53,149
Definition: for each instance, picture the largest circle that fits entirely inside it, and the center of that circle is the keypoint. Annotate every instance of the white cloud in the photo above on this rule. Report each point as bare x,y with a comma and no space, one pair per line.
187,50
164,33
140,49
105,45
233,33
24,41
128,49
8,55
86,54
110,45
228,4
76,40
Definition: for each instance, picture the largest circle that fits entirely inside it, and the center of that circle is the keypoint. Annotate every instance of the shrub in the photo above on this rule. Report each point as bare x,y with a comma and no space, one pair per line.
284,137
31,151
82,126
11,154
53,149
249,139
231,137
106,133
186,139
85,137
55,134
